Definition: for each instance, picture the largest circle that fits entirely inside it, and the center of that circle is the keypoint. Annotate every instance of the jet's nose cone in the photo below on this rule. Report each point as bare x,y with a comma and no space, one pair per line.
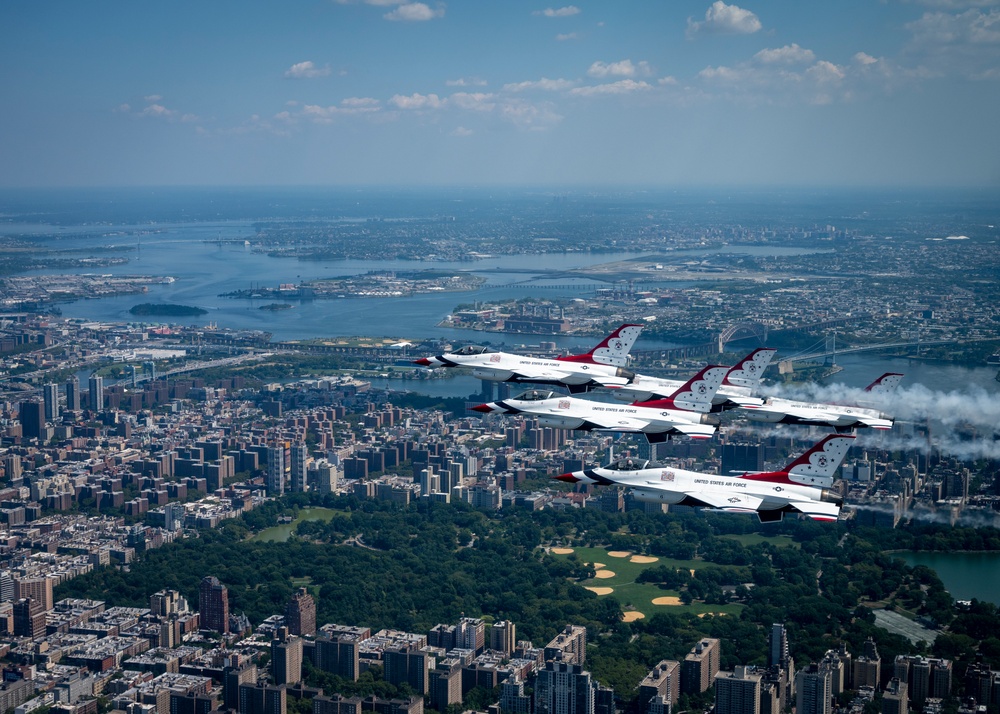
423,362
482,408
568,478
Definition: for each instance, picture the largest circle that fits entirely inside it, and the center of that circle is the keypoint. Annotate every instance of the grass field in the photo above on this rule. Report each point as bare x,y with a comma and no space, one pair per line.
641,595
780,541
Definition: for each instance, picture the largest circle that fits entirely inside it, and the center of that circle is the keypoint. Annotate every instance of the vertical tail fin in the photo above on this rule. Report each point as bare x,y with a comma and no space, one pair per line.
885,384
816,467
696,394
748,371
613,349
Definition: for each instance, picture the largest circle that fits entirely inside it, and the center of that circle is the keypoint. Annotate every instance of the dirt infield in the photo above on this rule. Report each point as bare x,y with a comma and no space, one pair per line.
632,616
598,566
642,559
713,614
619,553
667,600
597,590
562,551
604,574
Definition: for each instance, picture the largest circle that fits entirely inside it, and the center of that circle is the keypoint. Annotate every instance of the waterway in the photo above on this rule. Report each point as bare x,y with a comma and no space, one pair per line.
281,533
965,575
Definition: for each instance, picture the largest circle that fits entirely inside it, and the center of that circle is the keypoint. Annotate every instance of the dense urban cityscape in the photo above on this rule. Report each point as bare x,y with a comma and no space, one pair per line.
200,516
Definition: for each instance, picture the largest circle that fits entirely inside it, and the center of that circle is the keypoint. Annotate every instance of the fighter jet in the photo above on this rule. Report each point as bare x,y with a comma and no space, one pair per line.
742,381
774,410
604,365
801,487
685,412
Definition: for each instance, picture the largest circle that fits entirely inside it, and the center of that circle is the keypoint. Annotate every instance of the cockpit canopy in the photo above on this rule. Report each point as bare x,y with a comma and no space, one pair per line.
535,395
470,350
629,463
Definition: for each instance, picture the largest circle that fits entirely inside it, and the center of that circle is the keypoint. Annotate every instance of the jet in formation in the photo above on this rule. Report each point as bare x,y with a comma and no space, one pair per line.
741,383
774,410
801,487
603,366
685,412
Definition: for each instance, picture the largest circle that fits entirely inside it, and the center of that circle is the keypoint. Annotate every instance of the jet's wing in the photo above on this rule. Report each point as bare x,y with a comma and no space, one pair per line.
818,416
729,501
875,422
530,374
609,381
745,402
817,510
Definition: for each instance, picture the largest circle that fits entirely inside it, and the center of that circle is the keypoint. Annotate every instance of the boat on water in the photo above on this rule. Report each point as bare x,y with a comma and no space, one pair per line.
993,358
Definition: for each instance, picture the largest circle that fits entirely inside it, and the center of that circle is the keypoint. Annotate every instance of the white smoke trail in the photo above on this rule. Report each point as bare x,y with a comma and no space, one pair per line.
945,516
947,411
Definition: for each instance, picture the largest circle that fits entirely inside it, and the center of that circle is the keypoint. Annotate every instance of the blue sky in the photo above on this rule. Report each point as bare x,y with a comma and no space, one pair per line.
500,92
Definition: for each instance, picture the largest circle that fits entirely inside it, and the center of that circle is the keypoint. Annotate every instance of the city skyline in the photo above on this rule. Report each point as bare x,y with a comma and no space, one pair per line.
762,92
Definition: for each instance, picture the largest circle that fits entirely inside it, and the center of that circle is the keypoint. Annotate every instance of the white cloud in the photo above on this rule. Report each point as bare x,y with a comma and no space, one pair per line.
417,101
543,84
623,68
725,19
955,4
414,12
789,54
466,82
157,110
567,36
567,11
306,70
153,98
359,104
461,131
478,101
624,86
865,59
964,44
533,117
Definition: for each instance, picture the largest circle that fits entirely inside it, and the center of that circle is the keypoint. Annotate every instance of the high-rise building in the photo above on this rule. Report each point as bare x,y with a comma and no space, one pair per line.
737,692
32,417
664,680
410,665
50,394
96,392
298,466
213,605
38,589
73,394
232,678
895,699
339,655
277,469
700,666
569,646
165,603
503,637
300,613
260,699
866,670
563,688
29,618
778,652
286,658
813,693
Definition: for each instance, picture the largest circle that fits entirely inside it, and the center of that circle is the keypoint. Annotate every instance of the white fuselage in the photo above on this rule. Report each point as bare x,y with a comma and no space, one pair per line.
774,410
507,367
571,413
672,486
